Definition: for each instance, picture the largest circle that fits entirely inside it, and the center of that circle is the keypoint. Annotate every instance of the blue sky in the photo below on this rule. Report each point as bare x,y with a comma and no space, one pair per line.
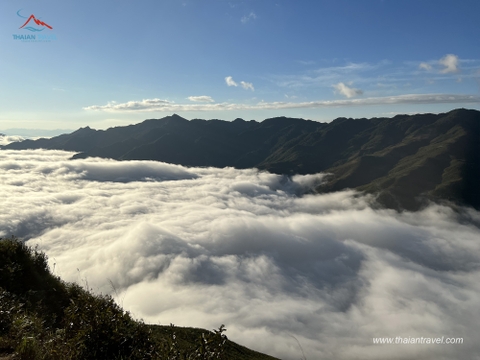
120,62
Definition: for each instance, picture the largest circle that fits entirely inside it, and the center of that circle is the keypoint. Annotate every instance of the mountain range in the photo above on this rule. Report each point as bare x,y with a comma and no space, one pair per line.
405,161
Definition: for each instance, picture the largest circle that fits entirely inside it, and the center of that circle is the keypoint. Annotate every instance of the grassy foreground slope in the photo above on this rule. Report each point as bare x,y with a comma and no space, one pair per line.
43,317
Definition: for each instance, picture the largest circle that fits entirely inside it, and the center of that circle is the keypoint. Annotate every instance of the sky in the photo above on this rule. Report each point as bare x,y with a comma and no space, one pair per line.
252,250
110,63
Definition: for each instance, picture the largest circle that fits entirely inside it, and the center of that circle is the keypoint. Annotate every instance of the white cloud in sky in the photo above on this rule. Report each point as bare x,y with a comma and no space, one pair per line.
425,66
247,86
167,106
247,18
230,82
450,63
202,98
366,75
142,105
252,250
325,76
347,91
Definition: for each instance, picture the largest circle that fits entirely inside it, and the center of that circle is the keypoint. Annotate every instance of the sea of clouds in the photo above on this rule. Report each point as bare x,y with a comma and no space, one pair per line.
279,266
7,139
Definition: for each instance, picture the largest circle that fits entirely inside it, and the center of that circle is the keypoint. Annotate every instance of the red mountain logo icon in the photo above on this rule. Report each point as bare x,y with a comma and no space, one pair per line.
38,22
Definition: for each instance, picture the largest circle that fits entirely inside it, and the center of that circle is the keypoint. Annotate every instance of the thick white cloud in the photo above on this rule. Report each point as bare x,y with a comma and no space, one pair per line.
347,91
450,63
230,82
409,99
202,98
253,250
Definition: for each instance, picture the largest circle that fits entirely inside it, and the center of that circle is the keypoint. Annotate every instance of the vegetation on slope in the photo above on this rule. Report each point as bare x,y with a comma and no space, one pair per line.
42,317
408,160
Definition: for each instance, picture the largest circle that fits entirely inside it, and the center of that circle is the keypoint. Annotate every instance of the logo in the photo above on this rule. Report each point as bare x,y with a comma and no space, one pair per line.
34,25
40,24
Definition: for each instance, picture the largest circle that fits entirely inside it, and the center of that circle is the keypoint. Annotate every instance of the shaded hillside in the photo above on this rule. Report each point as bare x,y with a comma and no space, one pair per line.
176,140
408,159
42,317
404,159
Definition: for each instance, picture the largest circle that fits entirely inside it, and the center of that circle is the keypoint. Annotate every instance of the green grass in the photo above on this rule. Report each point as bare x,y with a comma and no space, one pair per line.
45,318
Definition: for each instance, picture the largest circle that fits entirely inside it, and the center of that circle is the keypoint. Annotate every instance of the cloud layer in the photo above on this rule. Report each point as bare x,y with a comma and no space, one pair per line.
202,98
252,250
168,106
7,139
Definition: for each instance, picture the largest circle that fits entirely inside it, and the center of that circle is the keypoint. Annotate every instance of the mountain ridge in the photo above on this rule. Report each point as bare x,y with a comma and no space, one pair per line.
405,160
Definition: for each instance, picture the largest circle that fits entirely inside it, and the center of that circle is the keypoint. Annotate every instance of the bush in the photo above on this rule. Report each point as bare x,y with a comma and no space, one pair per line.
103,330
44,318
24,273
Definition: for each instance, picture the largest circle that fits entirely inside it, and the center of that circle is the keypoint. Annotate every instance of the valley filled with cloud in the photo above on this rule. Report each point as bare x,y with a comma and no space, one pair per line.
280,266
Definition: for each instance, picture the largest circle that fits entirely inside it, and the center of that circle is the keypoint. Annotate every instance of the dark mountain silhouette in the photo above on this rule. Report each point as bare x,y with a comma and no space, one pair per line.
405,160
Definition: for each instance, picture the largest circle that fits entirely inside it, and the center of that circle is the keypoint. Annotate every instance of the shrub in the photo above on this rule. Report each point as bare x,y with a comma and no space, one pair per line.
103,330
24,273
44,318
